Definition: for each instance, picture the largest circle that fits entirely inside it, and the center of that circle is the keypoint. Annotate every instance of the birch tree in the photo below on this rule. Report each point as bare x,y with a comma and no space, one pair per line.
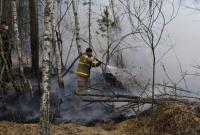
4,62
6,65
77,27
57,51
89,23
25,83
16,33
45,103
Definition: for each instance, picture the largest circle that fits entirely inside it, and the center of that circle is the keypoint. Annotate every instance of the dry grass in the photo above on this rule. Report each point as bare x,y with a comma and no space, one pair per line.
176,119
11,128
168,119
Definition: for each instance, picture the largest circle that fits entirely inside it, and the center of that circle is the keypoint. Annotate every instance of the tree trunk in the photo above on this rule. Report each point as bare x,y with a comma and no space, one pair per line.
45,103
1,9
9,74
2,56
16,32
57,52
113,10
6,11
108,37
77,28
89,24
150,5
34,37
153,79
7,18
25,83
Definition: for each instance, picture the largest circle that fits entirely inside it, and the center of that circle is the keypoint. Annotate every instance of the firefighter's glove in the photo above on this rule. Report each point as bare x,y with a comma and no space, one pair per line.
98,63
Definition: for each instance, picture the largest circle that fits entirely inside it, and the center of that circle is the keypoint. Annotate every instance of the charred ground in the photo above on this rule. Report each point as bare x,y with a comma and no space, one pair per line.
168,118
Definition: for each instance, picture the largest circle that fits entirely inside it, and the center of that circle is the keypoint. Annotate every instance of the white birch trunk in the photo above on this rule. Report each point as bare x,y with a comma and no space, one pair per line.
45,103
57,51
16,32
4,61
26,83
77,27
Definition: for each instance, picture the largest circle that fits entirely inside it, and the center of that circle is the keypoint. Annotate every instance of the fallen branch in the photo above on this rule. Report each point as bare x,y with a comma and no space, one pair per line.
139,100
178,96
172,87
107,96
118,100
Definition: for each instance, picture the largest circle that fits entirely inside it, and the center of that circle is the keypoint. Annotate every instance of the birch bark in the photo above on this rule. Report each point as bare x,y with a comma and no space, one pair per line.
10,75
57,51
25,83
77,27
45,103
16,32
3,59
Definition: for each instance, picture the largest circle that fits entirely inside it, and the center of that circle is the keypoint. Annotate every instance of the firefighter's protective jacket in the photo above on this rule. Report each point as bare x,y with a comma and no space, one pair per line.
85,64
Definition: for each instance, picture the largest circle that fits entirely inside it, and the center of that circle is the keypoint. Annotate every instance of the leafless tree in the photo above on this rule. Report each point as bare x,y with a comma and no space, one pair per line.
25,82
45,101
77,27
89,22
57,51
5,65
151,25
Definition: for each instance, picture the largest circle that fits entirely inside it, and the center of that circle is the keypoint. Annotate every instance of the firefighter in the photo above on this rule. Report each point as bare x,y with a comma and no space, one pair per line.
86,61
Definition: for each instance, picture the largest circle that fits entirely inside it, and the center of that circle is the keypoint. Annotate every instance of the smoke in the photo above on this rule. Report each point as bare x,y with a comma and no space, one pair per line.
65,105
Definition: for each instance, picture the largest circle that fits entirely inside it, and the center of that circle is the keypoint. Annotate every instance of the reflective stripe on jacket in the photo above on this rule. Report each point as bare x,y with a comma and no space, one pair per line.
85,64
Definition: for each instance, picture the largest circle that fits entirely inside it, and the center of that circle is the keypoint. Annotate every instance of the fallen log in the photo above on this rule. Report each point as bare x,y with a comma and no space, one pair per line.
98,97
178,96
120,100
139,100
107,95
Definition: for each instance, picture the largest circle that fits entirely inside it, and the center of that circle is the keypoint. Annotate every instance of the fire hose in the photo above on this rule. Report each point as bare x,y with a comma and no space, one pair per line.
68,69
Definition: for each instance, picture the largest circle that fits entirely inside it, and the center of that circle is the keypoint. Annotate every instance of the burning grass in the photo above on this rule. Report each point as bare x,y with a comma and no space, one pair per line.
168,118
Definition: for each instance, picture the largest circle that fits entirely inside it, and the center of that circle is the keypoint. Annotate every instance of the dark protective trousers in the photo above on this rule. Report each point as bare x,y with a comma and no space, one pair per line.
82,83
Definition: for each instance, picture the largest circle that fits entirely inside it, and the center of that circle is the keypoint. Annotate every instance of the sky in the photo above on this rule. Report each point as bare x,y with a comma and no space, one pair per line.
185,33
